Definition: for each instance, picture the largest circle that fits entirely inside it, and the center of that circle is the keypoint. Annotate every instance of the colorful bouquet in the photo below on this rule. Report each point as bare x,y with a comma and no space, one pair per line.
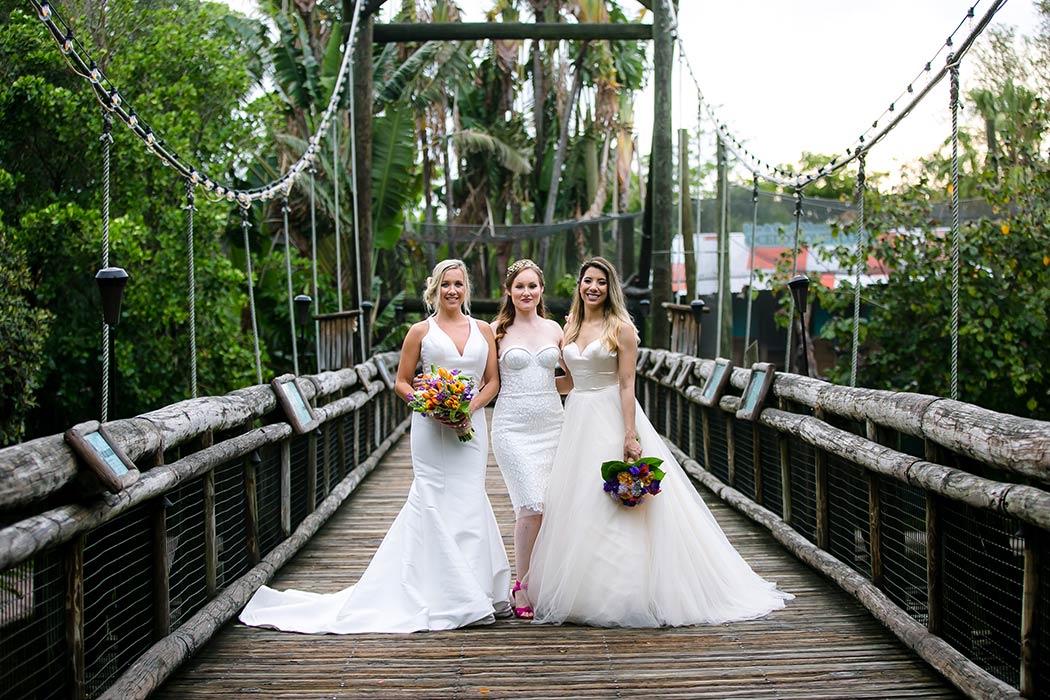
629,482
445,393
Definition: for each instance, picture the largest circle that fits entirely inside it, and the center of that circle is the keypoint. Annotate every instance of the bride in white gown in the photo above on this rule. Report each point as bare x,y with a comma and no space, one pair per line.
442,564
597,562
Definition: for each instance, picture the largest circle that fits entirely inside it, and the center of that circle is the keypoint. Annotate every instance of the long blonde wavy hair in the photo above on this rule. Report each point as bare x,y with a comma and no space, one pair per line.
615,308
430,293
507,312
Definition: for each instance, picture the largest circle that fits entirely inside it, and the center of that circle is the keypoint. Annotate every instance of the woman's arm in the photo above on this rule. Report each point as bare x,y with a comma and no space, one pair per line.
406,368
490,380
626,357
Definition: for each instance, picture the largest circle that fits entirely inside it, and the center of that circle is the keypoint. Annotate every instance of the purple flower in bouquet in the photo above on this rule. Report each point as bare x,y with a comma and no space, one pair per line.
630,482
446,394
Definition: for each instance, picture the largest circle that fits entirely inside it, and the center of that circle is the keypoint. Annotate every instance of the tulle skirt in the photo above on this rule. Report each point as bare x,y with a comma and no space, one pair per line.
665,562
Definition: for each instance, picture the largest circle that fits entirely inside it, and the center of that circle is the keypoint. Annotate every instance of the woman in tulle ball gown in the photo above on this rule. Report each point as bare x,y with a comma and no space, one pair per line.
526,421
442,564
596,561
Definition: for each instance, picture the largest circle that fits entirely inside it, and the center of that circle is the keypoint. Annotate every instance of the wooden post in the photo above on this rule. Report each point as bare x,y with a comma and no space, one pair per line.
756,462
820,467
934,552
357,434
704,420
161,569
730,447
692,408
1030,651
251,510
874,513
785,468
74,559
661,165
211,550
286,487
341,450
311,471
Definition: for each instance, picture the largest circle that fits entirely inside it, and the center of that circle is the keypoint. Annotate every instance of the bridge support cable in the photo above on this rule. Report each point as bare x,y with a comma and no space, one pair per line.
862,259
794,271
313,264
751,260
953,68
191,274
723,187
699,187
364,325
107,142
245,226
288,275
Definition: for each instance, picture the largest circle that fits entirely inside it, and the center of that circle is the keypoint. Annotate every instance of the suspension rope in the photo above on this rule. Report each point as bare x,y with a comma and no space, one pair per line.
722,226
953,66
861,262
288,275
351,113
699,199
338,215
794,271
192,288
751,259
245,225
313,248
107,141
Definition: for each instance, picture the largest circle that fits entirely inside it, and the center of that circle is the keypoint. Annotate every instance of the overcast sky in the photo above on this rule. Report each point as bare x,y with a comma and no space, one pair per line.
789,77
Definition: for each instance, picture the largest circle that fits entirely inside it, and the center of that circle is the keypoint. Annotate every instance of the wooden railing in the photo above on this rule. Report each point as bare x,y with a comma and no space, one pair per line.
933,513
102,595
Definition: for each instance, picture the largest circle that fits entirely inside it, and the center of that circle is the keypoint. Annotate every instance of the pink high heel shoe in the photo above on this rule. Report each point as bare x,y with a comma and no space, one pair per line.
524,612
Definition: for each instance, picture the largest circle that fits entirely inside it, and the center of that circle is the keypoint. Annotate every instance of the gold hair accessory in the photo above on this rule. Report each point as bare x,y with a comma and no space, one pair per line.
520,265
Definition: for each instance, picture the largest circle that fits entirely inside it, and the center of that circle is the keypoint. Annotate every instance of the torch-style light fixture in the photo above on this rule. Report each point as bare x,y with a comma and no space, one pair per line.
302,309
799,285
111,282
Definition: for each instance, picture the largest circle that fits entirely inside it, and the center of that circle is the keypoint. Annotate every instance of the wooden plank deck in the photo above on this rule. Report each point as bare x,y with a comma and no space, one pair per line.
823,645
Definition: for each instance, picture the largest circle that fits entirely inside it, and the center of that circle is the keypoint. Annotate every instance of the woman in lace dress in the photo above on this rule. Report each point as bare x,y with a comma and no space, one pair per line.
526,421
442,564
595,561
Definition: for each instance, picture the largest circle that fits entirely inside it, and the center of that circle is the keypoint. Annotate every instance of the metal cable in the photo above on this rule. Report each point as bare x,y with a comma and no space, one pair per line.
193,288
861,261
953,67
353,190
107,141
313,247
751,259
245,225
794,271
288,275
719,248
338,215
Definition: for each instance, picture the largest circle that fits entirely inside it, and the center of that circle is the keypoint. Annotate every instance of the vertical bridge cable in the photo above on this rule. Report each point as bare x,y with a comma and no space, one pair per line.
192,288
364,327
953,67
794,271
751,260
338,212
245,225
107,141
861,261
699,198
288,274
313,248
723,226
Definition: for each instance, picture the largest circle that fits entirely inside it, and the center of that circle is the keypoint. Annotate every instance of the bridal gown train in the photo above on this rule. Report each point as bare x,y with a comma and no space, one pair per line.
664,562
442,564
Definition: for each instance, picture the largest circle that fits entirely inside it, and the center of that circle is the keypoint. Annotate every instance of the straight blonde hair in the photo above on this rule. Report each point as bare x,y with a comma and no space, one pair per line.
614,310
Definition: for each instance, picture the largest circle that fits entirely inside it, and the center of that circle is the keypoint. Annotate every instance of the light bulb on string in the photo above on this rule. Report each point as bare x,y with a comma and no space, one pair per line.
208,184
220,190
114,98
195,177
94,74
229,196
44,13
133,119
67,43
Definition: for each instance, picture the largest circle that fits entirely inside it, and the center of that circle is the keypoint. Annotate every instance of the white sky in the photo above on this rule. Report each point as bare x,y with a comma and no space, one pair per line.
788,77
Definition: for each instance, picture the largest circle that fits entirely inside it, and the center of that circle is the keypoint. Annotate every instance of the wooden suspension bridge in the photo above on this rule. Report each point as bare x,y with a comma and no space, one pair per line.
912,528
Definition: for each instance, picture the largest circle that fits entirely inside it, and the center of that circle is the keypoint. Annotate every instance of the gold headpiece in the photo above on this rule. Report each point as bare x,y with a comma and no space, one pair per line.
520,265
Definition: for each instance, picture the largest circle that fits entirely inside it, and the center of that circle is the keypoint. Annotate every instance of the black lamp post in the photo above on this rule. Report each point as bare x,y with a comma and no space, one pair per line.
697,308
799,285
366,327
111,282
302,303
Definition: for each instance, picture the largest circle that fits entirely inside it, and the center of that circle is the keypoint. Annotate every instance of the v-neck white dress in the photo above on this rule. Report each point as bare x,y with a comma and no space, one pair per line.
442,564
597,562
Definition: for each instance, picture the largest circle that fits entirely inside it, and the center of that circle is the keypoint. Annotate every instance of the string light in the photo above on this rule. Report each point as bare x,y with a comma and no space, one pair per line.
94,74
67,43
44,12
133,119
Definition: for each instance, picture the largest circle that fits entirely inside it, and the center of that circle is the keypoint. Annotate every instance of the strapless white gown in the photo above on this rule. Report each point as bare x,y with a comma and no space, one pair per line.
526,424
442,564
597,562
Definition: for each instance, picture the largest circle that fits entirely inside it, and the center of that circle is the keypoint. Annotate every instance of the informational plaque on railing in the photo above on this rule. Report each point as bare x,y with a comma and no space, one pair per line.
293,401
762,374
102,455
716,382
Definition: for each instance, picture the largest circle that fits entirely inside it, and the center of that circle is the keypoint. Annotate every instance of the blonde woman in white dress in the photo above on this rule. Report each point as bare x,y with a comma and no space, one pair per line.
526,421
597,562
442,564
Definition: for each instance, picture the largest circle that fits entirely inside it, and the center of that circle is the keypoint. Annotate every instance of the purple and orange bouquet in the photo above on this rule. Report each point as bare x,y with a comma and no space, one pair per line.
630,482
445,394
